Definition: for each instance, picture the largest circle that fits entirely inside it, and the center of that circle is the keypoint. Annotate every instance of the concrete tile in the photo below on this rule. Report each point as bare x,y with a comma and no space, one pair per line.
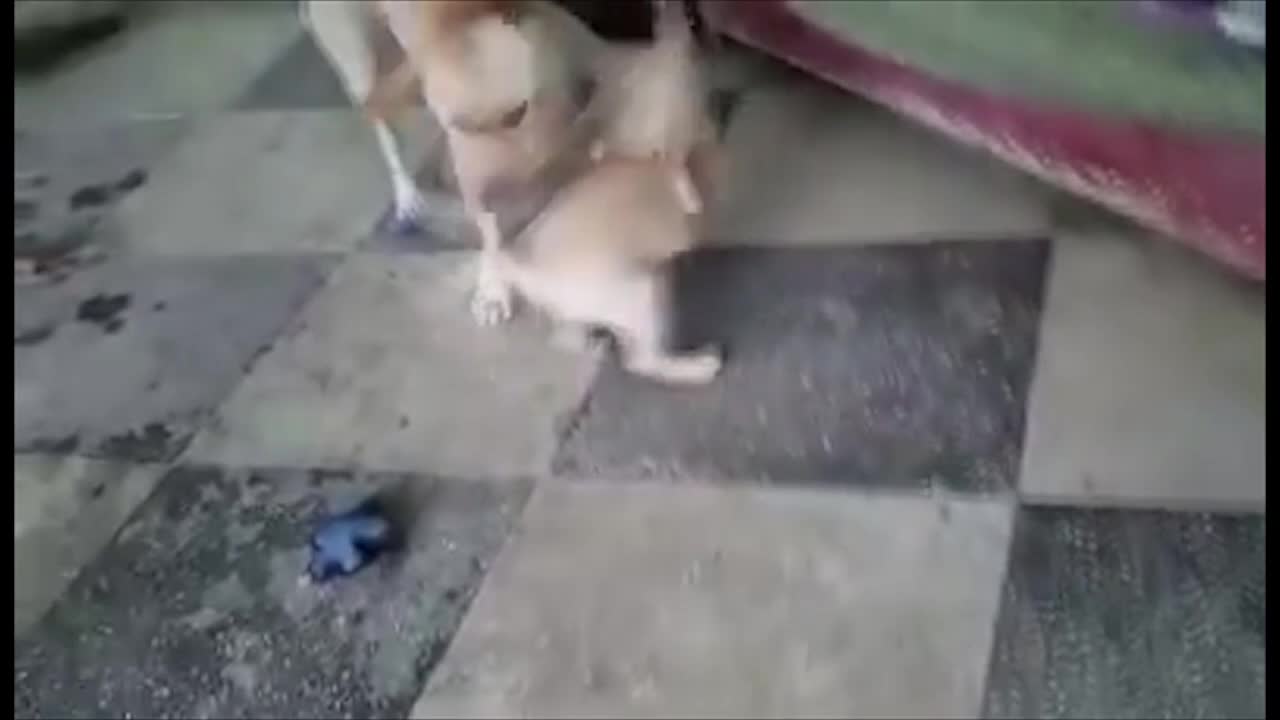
65,510
386,369
809,164
299,79
197,609
1151,382
1132,615
173,58
646,601
123,360
261,183
901,366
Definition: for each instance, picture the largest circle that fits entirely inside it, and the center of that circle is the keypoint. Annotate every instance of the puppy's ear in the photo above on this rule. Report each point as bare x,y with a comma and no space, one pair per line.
392,93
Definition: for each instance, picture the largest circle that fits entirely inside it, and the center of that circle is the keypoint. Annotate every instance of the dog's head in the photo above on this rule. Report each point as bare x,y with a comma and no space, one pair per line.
472,64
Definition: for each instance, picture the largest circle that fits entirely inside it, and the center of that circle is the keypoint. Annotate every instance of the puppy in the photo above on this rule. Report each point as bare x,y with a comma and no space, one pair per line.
599,255
505,81
657,103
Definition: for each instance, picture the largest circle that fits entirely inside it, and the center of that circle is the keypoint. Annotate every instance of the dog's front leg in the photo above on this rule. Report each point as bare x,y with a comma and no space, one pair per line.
410,207
492,302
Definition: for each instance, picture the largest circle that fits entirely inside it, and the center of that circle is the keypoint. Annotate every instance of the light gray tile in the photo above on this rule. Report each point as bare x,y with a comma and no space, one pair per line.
1151,379
387,370
172,58
808,164
684,601
264,182
65,510
66,182
125,359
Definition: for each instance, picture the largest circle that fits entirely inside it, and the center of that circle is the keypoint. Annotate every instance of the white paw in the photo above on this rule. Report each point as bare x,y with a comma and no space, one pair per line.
703,366
410,206
491,306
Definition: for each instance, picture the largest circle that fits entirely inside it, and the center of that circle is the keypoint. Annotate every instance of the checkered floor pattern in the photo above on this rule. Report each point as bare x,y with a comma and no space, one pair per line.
976,452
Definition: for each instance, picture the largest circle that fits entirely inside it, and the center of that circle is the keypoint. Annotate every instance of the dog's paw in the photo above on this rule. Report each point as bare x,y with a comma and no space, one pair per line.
491,306
409,212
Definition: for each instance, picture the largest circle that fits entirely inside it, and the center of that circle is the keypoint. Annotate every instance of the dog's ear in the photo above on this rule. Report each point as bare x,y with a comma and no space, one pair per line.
392,93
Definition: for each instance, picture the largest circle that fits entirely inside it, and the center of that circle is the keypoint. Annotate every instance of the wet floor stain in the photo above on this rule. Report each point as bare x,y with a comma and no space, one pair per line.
51,446
132,180
154,441
104,311
34,336
25,211
90,196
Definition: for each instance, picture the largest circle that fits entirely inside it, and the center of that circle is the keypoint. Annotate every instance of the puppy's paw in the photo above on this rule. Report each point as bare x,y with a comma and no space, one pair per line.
695,368
701,367
491,306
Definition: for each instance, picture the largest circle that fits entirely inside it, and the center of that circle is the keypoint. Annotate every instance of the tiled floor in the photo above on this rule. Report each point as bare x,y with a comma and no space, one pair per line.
961,462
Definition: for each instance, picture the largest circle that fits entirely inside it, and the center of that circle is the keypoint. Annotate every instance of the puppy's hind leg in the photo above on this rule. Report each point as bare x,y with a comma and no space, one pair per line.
342,30
686,190
640,321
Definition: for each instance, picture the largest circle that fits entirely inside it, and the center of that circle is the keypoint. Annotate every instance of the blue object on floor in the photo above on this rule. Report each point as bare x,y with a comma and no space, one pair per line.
345,543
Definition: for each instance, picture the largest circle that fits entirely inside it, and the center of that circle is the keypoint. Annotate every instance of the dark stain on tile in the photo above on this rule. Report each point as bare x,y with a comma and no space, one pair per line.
1113,613
899,366
28,180
155,441
104,310
90,196
51,446
35,335
196,609
131,181
24,211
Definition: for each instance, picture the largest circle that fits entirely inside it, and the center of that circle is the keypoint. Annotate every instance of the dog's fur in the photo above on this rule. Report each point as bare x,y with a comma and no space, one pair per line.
599,256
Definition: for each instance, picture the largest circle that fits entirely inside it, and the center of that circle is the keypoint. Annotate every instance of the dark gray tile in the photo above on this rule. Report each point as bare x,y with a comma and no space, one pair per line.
124,360
300,79
1126,614
897,366
197,609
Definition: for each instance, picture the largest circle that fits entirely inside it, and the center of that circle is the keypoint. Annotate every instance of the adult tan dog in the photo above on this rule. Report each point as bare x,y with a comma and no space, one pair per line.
502,77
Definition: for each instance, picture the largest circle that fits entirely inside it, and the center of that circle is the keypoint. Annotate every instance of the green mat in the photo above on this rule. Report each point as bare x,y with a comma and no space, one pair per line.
1096,56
